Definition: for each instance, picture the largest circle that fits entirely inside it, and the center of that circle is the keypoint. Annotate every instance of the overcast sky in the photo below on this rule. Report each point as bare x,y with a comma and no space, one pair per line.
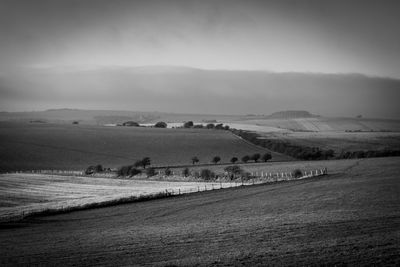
48,46
306,36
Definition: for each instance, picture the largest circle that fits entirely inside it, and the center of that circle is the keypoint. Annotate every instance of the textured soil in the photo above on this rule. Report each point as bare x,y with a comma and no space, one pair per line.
347,218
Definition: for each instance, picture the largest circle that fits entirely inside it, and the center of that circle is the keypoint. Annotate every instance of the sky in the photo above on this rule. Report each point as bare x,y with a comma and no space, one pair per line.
311,36
305,36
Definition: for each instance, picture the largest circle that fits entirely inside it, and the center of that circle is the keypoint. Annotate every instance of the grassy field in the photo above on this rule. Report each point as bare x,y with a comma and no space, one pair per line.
325,124
30,193
25,146
351,217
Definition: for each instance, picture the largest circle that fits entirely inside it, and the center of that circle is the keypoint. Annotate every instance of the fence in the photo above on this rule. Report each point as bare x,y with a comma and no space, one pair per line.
255,178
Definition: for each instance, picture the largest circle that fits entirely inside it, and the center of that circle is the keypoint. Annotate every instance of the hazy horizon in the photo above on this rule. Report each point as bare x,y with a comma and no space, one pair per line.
78,54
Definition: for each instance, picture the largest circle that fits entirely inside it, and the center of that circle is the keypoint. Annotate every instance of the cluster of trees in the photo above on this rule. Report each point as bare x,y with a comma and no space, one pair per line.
255,157
131,124
94,169
132,170
220,126
296,151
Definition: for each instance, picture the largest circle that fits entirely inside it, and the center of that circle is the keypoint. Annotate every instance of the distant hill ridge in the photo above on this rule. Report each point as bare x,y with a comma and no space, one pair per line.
291,114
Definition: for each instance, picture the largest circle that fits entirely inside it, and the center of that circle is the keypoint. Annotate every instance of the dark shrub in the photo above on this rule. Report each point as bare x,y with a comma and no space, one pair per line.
188,124
207,174
134,171
219,126
245,159
131,123
233,171
151,172
94,169
234,159
168,171
266,157
210,126
297,173
186,172
124,170
145,161
216,159
160,124
195,160
255,157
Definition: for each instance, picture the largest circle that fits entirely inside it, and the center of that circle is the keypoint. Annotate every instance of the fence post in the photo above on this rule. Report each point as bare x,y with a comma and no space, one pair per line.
179,191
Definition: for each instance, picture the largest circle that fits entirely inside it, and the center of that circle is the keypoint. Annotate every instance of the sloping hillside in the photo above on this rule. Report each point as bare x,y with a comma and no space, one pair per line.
351,217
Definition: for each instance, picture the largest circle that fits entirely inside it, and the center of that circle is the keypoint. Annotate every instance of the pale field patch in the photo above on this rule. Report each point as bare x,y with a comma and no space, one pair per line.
27,193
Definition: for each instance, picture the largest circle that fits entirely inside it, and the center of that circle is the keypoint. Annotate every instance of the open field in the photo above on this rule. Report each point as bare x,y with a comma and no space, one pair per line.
351,217
29,193
325,124
25,146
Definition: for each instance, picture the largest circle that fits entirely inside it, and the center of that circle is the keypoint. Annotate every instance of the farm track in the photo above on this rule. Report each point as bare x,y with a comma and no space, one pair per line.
340,219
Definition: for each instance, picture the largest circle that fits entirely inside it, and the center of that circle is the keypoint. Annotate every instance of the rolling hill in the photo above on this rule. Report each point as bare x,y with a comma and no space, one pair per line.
348,218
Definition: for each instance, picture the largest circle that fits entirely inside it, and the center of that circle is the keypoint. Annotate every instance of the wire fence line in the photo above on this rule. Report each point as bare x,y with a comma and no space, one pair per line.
265,175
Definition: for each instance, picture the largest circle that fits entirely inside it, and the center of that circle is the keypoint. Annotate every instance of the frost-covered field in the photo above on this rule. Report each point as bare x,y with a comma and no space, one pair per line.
27,193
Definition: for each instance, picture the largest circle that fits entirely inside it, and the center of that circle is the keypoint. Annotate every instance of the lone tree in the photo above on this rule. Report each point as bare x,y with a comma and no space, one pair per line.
145,161
216,159
195,160
160,124
234,159
266,157
245,159
255,157
188,124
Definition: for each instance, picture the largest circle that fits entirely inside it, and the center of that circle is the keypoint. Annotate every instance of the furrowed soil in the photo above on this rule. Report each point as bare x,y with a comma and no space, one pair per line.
350,217
30,146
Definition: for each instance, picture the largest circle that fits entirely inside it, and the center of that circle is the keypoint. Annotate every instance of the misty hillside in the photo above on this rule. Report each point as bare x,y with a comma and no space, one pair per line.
189,90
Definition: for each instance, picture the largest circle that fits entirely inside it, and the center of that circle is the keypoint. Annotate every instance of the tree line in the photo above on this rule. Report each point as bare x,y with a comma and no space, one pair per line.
309,153
140,165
